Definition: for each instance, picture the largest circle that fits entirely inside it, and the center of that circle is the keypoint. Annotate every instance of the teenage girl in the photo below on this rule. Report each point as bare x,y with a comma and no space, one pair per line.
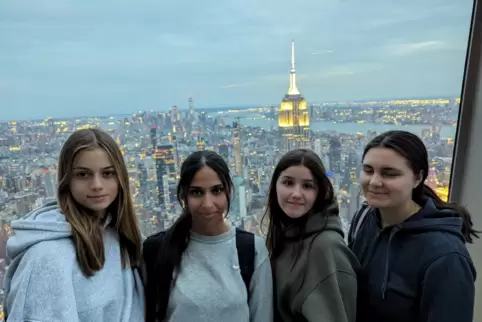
314,271
76,259
411,244
194,271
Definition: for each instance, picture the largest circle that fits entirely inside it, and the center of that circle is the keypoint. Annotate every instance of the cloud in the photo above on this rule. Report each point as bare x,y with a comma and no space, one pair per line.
323,52
417,47
126,53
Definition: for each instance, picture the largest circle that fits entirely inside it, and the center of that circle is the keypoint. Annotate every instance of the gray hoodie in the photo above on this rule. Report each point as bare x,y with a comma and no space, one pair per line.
44,282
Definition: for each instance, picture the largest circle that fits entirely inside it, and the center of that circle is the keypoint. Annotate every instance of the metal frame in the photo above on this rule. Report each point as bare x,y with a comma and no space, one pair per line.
466,178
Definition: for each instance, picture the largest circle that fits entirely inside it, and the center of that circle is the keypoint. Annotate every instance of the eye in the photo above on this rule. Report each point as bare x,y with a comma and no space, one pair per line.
367,170
81,174
308,186
217,190
195,192
390,174
287,182
109,173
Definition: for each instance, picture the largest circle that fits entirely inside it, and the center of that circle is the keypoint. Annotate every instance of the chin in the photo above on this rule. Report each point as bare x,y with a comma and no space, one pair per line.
377,203
98,208
294,215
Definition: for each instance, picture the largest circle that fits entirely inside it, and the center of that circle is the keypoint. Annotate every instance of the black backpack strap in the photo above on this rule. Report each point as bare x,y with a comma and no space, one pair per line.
150,249
246,255
150,252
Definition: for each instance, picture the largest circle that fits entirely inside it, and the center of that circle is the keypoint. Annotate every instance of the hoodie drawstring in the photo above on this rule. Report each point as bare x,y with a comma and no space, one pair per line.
387,261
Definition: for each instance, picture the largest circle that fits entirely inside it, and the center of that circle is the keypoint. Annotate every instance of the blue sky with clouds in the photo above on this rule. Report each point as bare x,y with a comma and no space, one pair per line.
70,57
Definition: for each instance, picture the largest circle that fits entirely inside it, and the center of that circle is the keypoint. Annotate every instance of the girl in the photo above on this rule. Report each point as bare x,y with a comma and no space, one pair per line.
75,260
314,270
193,269
411,244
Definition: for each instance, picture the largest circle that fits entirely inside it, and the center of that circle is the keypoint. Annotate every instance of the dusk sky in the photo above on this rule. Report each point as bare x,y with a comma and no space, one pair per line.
83,57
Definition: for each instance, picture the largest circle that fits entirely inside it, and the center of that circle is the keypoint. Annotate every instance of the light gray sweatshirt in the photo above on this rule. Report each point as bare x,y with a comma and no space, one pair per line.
209,286
44,282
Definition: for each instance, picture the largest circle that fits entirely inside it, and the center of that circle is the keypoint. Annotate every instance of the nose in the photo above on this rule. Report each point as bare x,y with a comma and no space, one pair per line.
376,180
208,202
96,183
296,193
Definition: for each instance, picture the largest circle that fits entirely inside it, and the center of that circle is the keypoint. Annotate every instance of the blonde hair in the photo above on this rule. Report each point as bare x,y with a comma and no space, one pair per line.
87,229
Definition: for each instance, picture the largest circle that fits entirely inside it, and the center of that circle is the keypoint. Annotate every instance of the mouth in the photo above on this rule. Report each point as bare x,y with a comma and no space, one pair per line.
296,203
377,193
96,197
211,214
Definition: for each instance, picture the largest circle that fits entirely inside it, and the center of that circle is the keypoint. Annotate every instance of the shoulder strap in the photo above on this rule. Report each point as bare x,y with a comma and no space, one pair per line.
151,247
150,251
246,255
360,220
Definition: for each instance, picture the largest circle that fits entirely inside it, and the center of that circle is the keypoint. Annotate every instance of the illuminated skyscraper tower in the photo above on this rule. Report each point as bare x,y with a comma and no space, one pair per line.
293,116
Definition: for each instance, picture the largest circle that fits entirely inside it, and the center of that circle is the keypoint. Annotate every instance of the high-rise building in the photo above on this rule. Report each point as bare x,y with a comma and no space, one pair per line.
335,155
223,150
50,182
238,161
166,169
200,144
293,115
153,135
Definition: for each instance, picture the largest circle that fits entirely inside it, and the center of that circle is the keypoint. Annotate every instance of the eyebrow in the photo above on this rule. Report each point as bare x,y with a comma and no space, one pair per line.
87,169
383,168
215,186
289,177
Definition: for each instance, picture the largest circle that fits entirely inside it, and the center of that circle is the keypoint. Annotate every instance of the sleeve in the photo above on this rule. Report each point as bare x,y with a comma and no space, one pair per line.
41,289
448,290
261,286
333,300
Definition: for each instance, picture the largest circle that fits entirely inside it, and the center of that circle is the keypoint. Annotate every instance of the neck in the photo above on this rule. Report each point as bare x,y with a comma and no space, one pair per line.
210,228
397,215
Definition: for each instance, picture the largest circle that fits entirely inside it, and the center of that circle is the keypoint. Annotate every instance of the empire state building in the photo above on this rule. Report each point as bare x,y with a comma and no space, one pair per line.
293,117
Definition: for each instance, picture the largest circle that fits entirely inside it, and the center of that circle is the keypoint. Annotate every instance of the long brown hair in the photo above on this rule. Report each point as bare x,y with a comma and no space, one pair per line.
87,231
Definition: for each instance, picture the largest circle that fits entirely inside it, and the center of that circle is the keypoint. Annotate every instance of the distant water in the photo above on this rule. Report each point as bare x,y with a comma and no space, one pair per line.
446,131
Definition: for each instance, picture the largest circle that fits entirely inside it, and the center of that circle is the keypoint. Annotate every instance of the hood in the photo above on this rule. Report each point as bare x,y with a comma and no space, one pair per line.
42,224
316,222
431,219
428,220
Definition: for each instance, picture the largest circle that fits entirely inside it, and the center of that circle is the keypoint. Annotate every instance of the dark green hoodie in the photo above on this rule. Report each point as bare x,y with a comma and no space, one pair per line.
321,286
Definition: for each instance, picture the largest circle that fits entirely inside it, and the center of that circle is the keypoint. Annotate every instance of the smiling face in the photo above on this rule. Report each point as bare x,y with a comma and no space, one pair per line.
94,182
296,191
387,179
206,197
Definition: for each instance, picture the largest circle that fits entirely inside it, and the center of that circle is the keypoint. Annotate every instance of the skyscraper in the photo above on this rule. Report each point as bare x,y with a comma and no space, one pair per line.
237,148
293,116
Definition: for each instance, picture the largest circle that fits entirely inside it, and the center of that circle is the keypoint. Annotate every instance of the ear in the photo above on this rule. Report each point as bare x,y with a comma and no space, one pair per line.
418,179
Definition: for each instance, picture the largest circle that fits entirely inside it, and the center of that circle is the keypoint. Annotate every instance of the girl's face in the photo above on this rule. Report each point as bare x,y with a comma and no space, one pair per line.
296,191
206,197
94,182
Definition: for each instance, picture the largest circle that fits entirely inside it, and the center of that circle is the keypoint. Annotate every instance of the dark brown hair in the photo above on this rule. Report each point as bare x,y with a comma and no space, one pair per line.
412,149
274,215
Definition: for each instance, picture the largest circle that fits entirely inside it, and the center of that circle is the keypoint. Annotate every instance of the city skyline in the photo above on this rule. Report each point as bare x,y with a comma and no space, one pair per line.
65,59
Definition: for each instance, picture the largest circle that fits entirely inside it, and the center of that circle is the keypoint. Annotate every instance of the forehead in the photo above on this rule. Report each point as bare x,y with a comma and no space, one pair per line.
206,178
380,158
299,172
92,159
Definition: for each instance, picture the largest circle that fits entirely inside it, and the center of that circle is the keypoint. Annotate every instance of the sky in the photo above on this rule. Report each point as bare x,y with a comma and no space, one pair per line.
63,58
